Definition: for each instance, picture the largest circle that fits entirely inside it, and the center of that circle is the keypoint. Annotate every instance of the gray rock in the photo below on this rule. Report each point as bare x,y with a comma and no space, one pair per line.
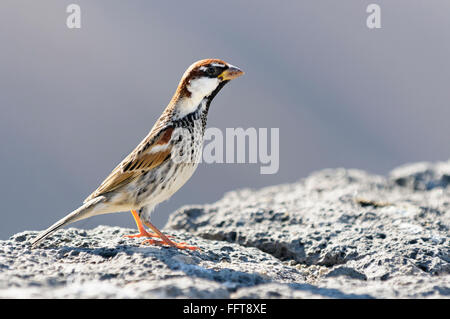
336,234
100,263
375,228
346,272
422,176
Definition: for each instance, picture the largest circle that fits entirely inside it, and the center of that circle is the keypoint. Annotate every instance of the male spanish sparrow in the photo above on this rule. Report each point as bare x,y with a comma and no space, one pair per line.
164,160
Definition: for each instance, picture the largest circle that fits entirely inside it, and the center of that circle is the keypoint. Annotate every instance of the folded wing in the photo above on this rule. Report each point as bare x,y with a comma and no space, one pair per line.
154,150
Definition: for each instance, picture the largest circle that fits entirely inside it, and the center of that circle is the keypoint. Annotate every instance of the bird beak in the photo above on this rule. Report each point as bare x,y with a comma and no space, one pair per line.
231,73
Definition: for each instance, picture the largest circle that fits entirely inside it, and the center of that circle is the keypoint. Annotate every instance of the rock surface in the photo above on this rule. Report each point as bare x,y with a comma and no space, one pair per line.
335,234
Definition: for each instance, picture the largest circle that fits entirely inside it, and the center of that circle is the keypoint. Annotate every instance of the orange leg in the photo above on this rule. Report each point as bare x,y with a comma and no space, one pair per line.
142,231
165,240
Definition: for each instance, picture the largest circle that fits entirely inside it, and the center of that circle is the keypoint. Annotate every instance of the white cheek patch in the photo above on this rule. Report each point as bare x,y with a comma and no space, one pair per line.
203,86
199,89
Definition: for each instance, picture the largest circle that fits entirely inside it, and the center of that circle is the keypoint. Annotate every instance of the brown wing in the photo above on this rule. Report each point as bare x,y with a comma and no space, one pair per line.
150,153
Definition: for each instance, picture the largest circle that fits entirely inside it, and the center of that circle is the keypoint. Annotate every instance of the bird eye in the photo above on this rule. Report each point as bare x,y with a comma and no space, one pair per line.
210,71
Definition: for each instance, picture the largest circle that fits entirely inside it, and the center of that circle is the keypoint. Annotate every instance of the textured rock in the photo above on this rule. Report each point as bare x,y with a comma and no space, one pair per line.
359,227
422,176
336,234
100,263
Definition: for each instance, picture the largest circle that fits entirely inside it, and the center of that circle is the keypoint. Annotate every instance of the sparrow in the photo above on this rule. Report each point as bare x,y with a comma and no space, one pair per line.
164,160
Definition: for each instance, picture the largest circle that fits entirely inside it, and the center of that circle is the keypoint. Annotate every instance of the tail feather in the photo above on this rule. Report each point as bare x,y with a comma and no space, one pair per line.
87,210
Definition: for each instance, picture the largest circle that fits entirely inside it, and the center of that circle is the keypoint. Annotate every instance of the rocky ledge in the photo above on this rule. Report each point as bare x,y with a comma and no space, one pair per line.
335,234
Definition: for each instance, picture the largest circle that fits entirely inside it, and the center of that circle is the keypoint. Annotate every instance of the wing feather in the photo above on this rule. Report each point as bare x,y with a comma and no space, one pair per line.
149,154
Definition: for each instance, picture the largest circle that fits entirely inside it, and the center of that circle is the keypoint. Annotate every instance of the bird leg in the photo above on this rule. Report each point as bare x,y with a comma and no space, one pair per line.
142,231
165,240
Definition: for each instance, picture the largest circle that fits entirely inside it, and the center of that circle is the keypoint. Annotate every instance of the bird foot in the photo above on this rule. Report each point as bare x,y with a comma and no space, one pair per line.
144,233
172,244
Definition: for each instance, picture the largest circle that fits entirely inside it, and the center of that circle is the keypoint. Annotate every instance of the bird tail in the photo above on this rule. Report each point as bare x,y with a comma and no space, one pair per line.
89,209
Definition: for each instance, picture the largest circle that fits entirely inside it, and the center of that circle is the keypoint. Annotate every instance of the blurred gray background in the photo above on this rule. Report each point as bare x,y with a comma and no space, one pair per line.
75,102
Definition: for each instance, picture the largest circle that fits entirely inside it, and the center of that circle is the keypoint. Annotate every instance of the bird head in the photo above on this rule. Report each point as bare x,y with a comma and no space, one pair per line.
203,79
